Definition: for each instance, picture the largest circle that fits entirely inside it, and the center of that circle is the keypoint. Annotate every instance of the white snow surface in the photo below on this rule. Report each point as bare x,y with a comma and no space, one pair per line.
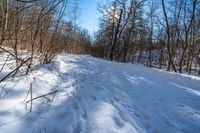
98,96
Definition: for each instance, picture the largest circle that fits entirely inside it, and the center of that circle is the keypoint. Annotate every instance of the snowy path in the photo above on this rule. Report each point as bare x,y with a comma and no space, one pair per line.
97,96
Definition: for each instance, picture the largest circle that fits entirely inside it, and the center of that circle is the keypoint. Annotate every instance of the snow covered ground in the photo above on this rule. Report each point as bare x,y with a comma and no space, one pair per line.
98,96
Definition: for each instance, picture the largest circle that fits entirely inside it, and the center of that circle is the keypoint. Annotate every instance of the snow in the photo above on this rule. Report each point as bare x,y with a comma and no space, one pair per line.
98,96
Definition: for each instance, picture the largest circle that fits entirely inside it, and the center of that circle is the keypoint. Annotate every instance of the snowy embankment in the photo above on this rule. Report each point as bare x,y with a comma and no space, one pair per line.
97,96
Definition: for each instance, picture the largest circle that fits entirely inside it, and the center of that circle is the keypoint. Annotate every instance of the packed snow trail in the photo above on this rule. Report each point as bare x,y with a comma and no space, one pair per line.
98,96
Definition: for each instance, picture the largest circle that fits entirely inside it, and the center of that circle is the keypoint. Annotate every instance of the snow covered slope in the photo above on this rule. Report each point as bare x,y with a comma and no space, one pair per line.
97,96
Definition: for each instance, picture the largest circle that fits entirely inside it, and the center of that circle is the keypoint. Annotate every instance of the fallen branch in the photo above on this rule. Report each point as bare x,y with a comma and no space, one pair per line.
42,96
16,69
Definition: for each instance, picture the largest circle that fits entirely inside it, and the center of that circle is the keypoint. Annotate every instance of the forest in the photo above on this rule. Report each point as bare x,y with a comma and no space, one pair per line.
161,34
164,34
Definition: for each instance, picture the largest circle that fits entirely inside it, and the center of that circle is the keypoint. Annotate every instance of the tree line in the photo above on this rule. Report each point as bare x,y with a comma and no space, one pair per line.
44,28
162,34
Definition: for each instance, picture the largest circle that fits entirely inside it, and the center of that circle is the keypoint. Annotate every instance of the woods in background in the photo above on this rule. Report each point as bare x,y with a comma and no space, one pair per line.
42,27
163,34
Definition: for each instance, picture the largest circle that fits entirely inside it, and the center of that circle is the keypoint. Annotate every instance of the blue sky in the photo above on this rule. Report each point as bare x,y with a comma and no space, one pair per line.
89,14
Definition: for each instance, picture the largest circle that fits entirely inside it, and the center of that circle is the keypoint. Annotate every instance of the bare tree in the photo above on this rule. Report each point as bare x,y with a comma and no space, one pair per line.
169,49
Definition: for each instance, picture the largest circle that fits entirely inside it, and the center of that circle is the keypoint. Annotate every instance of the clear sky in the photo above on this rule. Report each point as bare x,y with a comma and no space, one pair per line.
89,14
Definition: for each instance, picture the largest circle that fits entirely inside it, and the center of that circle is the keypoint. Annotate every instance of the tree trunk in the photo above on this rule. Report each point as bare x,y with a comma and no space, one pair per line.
114,42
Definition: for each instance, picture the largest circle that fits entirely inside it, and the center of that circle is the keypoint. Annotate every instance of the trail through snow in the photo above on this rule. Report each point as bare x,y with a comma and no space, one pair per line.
98,96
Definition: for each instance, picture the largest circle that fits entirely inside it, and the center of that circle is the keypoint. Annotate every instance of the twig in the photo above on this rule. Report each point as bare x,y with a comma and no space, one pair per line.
27,95
16,69
4,63
42,96
31,94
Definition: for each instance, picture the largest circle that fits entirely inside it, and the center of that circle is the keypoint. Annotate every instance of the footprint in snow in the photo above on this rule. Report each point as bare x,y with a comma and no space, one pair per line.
169,123
118,122
84,116
79,98
148,125
94,98
180,105
76,107
116,99
137,115
98,88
